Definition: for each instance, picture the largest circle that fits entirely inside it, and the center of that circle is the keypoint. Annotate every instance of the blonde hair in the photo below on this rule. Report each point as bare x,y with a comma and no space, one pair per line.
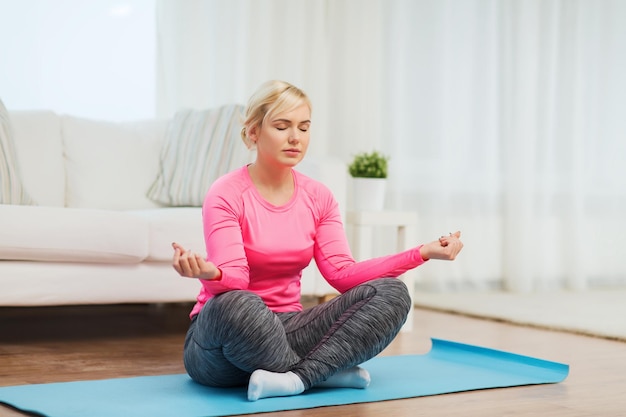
271,98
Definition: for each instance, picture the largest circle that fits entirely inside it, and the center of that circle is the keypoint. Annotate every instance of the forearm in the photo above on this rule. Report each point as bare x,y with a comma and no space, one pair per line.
343,273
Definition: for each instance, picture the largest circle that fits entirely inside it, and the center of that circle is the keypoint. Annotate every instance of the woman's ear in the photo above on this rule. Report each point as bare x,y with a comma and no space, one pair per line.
253,134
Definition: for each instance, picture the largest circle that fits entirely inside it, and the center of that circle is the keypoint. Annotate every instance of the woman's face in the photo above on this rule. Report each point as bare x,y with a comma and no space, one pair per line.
284,139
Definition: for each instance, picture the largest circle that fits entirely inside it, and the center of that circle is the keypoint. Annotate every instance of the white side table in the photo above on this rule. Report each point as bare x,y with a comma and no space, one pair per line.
362,224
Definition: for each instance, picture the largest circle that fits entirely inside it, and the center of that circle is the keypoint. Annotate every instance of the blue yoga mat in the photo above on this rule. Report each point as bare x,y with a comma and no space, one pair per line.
448,367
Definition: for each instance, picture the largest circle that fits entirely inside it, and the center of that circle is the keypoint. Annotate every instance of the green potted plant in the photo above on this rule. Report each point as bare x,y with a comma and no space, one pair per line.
369,179
369,165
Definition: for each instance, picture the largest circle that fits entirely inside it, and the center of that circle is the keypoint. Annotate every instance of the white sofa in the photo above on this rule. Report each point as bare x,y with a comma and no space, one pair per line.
93,236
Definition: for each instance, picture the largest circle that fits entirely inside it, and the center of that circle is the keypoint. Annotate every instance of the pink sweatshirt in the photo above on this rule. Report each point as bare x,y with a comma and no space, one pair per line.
263,248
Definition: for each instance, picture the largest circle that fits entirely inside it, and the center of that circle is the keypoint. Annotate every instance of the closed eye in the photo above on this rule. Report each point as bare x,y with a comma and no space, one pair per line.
302,129
284,124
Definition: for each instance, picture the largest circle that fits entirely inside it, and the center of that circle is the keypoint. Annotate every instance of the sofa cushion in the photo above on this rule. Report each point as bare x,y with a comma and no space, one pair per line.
40,154
56,283
111,165
71,235
200,146
176,224
11,188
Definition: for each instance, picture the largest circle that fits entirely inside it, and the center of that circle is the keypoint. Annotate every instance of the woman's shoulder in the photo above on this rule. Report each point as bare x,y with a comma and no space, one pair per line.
313,187
235,177
233,183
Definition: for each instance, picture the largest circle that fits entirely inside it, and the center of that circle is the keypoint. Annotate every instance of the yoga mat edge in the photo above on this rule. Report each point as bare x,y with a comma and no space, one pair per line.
449,367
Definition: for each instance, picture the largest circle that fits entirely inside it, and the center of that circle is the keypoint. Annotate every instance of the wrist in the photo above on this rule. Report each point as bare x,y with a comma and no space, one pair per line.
424,253
218,277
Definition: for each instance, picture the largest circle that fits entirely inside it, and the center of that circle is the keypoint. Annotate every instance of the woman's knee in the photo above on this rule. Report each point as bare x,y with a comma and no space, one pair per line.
389,291
231,304
394,292
223,313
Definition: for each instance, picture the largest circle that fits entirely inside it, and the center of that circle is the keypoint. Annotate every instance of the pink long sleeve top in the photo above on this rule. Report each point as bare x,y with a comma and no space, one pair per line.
263,248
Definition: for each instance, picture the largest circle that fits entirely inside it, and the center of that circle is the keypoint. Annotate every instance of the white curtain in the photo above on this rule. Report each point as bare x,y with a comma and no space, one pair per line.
503,118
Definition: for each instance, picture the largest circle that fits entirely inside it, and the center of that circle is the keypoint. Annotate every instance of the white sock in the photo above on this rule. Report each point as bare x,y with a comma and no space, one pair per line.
265,384
355,377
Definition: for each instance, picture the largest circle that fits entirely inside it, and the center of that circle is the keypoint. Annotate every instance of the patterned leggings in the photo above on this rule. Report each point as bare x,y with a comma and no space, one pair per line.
235,333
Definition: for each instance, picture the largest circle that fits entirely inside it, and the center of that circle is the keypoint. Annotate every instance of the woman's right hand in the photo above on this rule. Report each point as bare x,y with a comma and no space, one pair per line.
192,265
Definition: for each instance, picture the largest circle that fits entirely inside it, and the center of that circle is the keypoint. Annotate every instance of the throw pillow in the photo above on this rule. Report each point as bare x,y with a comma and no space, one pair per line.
200,146
12,190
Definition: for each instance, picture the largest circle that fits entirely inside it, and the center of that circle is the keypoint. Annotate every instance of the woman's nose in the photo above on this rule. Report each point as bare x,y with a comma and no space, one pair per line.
294,137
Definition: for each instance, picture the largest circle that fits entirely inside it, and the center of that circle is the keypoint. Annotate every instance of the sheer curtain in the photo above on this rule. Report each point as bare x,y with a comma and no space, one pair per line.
503,119
213,52
508,125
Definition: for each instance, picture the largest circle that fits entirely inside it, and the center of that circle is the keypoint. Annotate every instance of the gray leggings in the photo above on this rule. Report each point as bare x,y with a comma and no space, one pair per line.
235,333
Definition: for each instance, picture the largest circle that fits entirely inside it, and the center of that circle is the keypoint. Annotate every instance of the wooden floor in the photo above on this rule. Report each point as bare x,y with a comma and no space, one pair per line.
80,343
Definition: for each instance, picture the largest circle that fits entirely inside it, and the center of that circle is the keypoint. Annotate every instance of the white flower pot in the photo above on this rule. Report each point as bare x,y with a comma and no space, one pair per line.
369,193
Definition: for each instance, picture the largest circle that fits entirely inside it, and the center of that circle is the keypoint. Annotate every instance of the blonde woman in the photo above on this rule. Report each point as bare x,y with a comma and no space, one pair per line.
263,224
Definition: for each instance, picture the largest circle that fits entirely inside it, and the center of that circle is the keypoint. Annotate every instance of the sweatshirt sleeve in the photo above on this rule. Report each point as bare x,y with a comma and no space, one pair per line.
336,264
224,241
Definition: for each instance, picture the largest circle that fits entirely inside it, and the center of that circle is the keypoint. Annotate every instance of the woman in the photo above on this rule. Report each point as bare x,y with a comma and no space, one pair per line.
263,223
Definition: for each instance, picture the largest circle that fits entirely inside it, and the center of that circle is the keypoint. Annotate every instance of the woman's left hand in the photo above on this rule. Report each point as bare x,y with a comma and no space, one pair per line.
446,248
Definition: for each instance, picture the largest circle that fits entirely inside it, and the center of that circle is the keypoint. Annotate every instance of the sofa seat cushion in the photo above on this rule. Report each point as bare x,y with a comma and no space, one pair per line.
176,224
58,234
